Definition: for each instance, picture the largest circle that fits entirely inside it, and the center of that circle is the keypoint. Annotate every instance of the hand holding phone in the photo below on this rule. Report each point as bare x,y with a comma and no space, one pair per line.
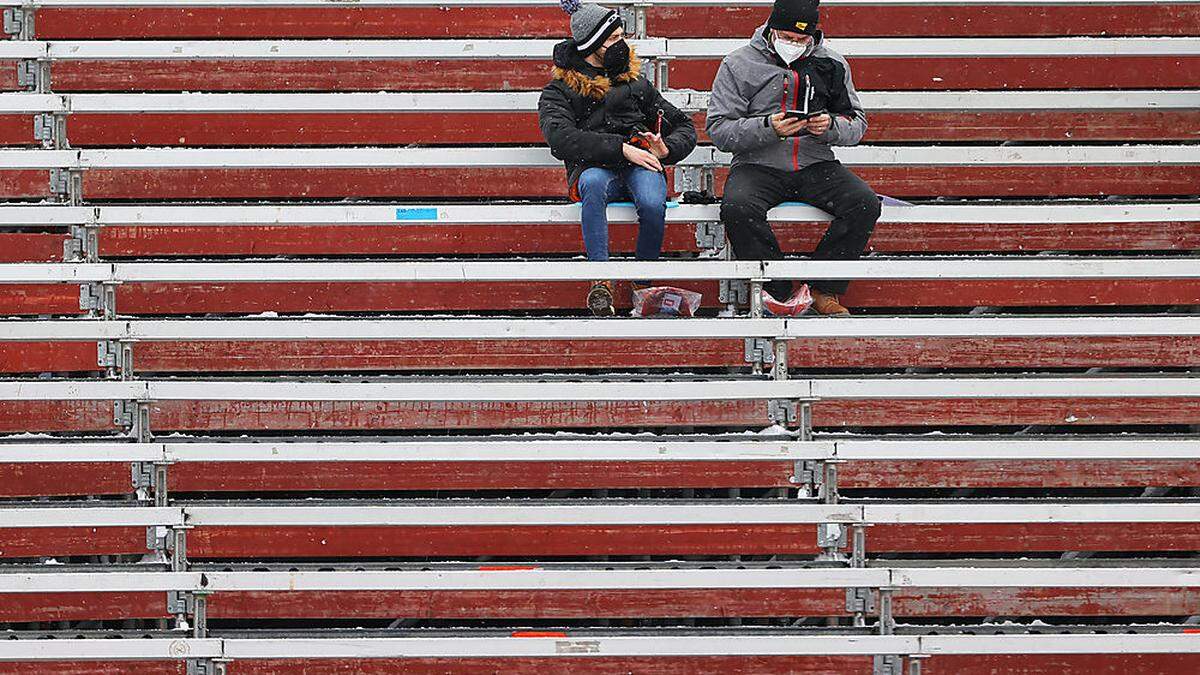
801,115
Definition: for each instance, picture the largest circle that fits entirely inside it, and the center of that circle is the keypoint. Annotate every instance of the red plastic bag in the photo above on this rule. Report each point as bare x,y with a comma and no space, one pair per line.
665,301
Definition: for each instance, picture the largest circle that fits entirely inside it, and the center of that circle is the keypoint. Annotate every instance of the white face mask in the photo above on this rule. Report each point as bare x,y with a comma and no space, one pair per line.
790,52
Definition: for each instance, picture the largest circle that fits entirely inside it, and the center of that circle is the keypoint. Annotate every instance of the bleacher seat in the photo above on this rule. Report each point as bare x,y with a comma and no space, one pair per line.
293,374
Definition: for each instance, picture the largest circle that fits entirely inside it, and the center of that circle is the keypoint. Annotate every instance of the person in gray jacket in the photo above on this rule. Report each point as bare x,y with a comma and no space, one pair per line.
783,156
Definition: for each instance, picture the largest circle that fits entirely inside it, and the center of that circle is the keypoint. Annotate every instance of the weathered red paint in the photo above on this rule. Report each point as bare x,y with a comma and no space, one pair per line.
305,75
26,299
380,355
937,20
993,412
162,298
91,667
24,183
564,665
1032,537
398,239
732,20
31,247
24,607
8,78
517,238
325,355
38,416
334,129
294,415
1033,125
470,128
57,479
985,237
39,542
44,357
896,180
1061,664
406,475
388,296
1019,473
323,183
223,542
1041,602
299,22
1000,72
1047,352
540,604
17,130
893,73
1024,293
1032,181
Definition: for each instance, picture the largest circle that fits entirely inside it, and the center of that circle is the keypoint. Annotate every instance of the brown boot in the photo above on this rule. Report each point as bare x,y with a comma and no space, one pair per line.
826,304
600,298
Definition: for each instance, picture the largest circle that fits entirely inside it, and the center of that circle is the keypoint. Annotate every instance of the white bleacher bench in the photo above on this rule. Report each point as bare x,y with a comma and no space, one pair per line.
866,449
786,402
199,462
691,101
202,595
603,329
949,269
417,214
551,578
262,529
665,645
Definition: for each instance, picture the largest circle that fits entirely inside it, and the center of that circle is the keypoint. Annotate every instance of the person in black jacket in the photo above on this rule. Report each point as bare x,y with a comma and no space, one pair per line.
615,133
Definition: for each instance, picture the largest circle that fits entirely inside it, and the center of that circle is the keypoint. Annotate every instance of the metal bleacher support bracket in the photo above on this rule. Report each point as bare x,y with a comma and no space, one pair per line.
51,130
134,416
889,664
150,480
832,538
695,178
634,17
659,72
710,235
83,245
116,357
66,185
18,22
178,548
34,75
99,299
206,667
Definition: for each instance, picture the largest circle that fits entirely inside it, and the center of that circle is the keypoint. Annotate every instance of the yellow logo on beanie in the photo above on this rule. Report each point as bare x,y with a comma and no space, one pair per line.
801,25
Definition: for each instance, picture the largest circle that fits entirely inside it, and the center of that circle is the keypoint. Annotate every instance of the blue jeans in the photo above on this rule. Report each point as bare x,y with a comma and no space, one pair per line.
648,190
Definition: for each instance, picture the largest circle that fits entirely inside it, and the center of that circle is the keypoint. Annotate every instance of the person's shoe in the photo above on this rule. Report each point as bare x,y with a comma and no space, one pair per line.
793,306
600,298
827,304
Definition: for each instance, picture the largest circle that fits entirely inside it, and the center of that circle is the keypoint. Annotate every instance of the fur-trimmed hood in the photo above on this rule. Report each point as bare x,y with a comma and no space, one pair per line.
586,79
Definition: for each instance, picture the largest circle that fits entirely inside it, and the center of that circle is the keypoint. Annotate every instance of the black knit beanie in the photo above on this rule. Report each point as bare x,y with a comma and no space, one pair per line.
797,16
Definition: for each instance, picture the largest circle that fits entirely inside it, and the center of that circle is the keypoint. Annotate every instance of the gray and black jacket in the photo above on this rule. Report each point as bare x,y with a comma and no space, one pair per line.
753,83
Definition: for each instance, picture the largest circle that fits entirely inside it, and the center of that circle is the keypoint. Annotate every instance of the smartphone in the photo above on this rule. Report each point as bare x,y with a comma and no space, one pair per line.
800,114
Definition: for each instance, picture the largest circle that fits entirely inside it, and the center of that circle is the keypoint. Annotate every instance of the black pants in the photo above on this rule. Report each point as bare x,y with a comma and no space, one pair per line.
752,190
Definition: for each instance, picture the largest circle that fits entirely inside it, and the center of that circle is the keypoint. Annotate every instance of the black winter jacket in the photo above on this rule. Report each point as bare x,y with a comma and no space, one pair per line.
586,117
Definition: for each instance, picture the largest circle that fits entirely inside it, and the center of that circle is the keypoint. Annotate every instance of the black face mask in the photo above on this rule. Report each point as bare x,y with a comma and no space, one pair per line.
616,58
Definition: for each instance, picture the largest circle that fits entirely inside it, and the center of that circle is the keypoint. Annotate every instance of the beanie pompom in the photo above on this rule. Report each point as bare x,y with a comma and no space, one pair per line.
570,6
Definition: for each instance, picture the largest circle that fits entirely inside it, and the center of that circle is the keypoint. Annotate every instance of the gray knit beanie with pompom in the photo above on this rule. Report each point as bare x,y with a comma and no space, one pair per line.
590,24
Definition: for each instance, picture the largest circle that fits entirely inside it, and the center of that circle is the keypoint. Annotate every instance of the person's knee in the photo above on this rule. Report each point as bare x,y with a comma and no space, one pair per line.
860,211
593,184
737,212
